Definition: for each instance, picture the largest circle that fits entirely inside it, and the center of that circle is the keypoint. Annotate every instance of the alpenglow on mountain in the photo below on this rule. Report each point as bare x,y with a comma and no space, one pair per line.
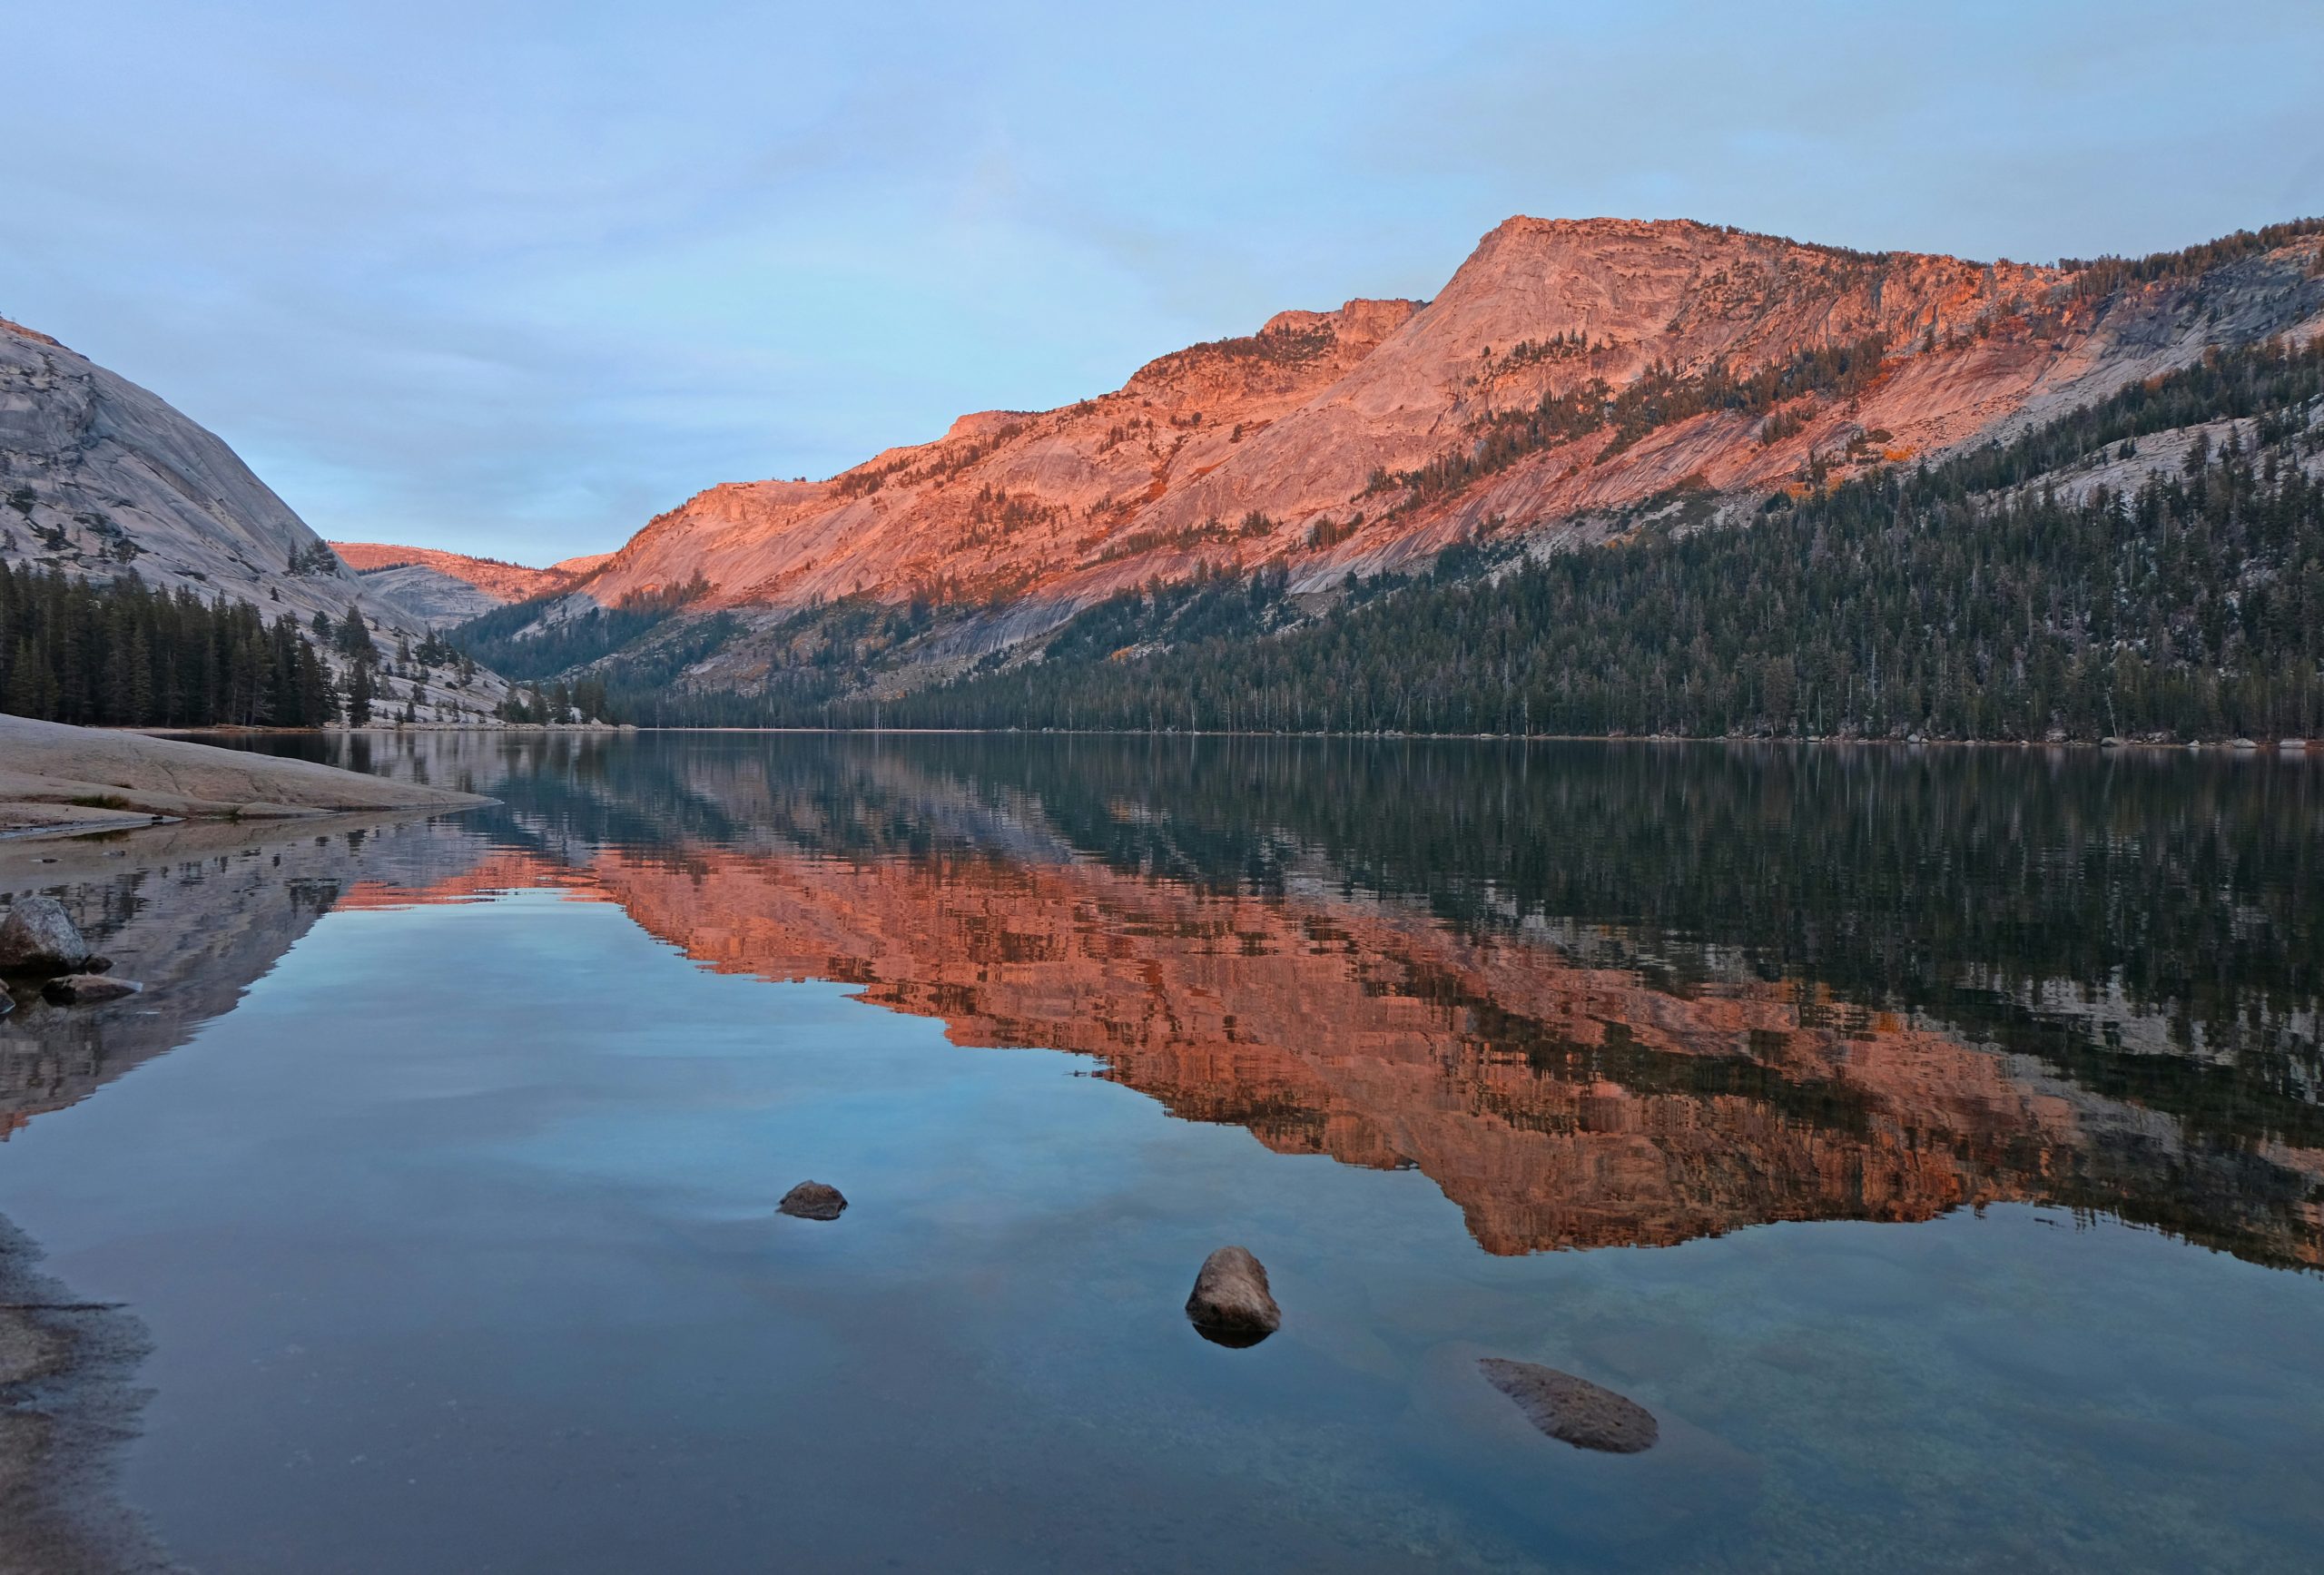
1576,382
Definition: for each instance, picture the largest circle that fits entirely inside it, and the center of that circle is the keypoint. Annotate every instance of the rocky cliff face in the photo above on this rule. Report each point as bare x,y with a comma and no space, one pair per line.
450,588
1571,375
99,478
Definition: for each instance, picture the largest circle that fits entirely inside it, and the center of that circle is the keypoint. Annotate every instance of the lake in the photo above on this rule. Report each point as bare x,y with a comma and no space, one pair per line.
1930,1139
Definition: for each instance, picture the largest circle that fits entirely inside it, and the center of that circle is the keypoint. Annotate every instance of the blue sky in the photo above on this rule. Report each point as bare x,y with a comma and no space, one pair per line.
512,278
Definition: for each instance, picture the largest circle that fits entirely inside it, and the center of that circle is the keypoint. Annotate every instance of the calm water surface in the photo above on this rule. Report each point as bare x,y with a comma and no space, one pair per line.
1931,1140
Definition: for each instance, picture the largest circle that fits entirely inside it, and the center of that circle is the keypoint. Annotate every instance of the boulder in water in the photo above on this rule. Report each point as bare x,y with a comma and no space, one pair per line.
813,1200
1231,1304
87,989
1574,1410
38,936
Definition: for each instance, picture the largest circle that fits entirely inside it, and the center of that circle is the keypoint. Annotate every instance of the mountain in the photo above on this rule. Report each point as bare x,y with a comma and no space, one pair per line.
1573,380
2149,566
101,479
451,588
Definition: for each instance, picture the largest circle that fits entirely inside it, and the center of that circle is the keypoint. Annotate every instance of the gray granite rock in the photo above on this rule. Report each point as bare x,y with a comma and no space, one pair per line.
37,936
1573,1410
813,1200
1231,1304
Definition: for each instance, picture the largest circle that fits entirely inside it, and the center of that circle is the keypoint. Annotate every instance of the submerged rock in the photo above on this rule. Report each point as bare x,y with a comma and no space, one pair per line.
85,989
1573,1410
37,937
1230,1304
813,1200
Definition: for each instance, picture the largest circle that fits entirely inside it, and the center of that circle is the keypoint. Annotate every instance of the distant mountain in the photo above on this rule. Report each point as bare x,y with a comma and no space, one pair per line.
450,588
1572,378
100,478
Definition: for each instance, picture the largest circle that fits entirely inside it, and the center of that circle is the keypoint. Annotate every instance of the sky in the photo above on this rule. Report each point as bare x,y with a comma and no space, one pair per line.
511,278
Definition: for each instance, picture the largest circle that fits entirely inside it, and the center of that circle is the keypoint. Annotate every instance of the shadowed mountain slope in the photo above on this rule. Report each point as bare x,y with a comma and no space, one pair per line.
100,478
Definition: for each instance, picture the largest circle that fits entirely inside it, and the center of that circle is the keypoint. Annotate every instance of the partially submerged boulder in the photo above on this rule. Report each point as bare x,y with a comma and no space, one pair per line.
813,1200
1573,1410
38,936
87,989
1230,1304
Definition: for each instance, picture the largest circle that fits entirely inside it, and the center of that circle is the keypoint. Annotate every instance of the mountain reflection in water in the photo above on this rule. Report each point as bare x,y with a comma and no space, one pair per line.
1599,995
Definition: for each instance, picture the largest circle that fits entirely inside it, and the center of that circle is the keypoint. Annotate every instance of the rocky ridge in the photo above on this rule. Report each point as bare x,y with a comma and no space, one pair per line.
450,588
1571,375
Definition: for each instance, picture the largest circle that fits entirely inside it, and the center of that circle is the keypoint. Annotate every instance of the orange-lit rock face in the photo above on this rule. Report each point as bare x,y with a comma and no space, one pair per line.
1558,1105
1229,454
502,582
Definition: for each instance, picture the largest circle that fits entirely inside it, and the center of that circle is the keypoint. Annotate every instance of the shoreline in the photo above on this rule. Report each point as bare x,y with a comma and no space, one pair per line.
68,1406
55,777
2292,747
336,728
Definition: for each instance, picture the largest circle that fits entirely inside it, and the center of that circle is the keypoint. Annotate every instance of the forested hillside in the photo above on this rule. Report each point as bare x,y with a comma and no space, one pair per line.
2065,584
